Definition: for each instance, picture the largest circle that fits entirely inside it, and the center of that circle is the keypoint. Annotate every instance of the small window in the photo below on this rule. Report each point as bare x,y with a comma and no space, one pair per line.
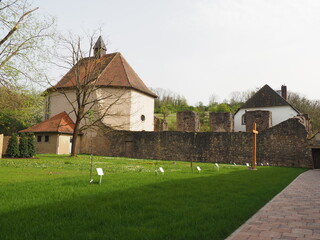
46,138
243,119
143,118
39,138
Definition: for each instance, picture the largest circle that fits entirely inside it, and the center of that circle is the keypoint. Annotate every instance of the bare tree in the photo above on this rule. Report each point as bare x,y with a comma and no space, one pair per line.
80,86
22,42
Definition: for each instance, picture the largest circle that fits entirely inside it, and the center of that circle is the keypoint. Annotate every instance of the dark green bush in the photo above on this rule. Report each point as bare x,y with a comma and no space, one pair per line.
23,146
13,147
31,145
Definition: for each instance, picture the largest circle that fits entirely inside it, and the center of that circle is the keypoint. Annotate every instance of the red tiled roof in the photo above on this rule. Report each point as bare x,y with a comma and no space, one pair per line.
111,70
60,123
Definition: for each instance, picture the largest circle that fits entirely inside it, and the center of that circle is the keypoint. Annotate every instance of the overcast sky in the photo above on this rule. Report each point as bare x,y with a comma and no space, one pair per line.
199,48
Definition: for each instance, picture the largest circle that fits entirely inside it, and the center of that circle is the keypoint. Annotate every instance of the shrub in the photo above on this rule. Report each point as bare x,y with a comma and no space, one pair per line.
13,147
23,146
31,145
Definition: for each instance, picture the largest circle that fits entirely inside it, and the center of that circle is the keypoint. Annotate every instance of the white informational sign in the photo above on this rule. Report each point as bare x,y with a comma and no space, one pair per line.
199,169
247,164
100,171
161,170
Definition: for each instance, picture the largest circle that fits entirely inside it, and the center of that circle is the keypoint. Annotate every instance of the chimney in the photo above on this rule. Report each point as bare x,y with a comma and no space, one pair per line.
99,48
284,93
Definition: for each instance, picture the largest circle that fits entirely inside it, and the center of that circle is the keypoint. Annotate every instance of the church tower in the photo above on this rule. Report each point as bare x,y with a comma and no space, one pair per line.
99,48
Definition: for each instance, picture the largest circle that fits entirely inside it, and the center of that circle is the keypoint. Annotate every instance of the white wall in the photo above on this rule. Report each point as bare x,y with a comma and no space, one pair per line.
141,104
64,144
124,108
279,114
59,103
115,106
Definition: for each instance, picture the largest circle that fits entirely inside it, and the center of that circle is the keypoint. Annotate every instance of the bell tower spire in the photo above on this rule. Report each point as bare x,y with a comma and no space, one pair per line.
99,48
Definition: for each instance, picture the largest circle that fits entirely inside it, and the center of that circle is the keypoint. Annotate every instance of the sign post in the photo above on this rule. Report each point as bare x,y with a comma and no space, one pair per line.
254,151
100,173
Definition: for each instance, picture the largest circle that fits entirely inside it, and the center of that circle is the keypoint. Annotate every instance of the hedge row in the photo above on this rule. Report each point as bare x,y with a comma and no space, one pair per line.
23,148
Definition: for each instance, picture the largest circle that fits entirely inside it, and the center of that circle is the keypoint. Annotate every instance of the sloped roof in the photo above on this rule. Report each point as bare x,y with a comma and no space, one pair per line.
111,70
266,97
60,123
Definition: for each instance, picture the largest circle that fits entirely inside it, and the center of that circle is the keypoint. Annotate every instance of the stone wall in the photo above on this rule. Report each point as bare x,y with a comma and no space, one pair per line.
188,121
221,122
160,125
284,145
263,119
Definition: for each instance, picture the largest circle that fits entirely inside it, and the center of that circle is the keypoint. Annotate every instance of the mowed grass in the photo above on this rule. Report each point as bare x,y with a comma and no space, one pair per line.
51,198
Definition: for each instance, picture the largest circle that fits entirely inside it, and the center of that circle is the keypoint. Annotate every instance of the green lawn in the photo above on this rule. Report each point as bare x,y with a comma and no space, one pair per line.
51,198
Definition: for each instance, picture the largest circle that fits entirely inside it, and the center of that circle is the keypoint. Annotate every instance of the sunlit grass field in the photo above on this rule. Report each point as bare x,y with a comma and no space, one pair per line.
51,198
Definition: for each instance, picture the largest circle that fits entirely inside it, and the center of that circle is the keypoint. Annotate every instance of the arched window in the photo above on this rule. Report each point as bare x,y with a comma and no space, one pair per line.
243,119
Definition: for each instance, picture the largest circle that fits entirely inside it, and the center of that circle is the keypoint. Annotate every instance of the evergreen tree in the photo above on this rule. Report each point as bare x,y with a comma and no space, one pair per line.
13,147
23,146
31,145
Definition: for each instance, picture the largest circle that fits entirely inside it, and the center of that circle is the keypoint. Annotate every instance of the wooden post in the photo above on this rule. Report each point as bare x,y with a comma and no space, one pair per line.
254,151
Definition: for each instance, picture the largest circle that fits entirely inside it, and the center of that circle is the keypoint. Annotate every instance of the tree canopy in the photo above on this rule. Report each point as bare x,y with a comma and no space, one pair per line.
19,110
24,39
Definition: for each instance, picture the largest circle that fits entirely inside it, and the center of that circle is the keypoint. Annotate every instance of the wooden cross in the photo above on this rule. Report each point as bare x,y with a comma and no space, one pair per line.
254,152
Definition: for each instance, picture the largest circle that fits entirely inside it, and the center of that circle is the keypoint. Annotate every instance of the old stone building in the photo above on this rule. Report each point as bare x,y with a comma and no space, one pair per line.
121,92
116,93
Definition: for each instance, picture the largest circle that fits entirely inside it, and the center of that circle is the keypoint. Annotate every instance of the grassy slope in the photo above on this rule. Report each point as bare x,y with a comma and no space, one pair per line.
50,198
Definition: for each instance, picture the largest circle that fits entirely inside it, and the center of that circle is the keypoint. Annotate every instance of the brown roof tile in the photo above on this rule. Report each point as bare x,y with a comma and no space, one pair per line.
60,123
111,70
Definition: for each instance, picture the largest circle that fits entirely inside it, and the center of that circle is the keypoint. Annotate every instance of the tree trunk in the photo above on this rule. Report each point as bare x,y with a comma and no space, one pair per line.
75,139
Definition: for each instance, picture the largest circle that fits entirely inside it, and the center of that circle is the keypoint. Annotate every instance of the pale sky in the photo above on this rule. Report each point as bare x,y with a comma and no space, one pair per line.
199,48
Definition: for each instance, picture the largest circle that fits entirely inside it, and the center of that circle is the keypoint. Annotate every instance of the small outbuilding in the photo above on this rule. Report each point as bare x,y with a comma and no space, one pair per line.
53,135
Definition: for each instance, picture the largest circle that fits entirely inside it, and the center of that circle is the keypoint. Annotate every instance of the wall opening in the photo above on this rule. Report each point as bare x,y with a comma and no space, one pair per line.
316,158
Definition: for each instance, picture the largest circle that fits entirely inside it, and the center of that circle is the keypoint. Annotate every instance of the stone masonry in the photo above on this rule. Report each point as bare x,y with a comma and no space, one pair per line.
221,122
160,125
283,145
263,119
188,121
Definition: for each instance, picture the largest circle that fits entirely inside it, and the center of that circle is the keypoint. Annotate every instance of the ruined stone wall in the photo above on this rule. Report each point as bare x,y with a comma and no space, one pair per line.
284,145
221,122
160,125
179,146
188,121
263,119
